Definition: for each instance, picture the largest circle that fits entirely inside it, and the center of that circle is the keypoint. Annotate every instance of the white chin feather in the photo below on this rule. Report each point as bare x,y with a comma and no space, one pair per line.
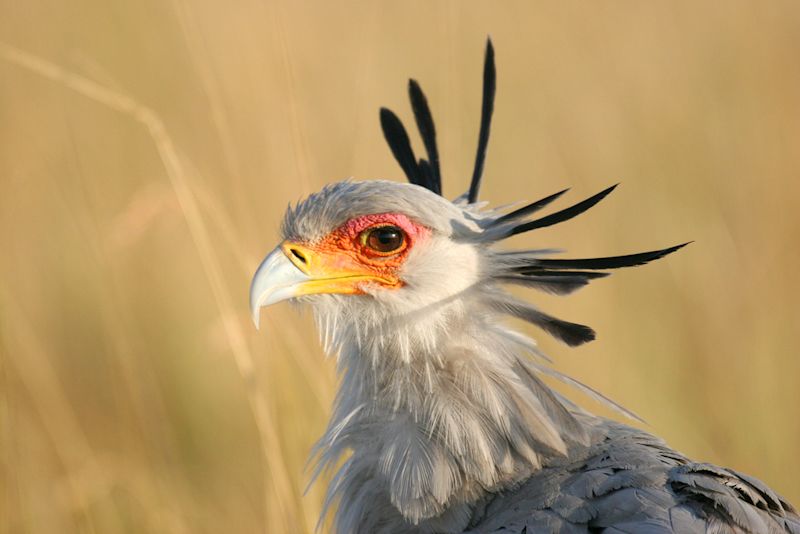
438,276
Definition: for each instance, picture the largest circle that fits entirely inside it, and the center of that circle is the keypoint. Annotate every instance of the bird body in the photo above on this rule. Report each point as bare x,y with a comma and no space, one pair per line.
442,423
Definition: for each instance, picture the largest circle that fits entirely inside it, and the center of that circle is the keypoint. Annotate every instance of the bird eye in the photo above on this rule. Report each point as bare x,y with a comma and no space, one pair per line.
385,239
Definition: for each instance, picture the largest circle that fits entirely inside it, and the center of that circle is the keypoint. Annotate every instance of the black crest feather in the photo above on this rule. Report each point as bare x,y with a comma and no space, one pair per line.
557,285
573,334
609,262
563,215
422,114
531,208
487,108
397,138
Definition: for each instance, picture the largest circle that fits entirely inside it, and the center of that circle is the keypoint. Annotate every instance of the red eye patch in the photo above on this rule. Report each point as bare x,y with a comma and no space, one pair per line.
348,239
354,227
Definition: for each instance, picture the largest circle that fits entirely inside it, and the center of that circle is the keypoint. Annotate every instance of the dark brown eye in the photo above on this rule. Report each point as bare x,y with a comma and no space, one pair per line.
385,239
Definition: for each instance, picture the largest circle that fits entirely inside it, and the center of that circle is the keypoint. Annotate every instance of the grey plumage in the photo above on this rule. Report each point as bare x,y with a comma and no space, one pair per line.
631,482
442,423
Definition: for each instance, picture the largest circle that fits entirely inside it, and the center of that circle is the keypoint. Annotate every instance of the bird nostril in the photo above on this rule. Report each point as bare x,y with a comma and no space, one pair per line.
299,255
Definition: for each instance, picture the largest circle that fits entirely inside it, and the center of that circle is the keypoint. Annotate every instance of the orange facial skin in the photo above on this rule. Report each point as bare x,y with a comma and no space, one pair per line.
342,262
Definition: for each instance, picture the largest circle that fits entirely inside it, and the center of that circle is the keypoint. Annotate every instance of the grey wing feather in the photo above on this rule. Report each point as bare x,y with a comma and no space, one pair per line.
742,501
631,482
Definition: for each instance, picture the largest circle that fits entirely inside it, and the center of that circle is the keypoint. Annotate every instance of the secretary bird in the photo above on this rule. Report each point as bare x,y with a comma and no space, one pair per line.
442,423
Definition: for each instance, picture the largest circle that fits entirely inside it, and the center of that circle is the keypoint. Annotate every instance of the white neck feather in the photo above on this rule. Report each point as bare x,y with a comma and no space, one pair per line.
437,410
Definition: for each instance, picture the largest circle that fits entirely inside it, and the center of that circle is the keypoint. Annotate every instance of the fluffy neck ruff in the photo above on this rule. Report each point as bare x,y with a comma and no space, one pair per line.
437,408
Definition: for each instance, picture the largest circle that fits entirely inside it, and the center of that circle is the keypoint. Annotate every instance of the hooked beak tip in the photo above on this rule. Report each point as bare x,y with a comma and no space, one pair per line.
276,279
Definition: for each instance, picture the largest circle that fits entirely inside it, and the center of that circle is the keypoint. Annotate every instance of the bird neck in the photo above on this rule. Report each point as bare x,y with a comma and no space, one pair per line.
437,411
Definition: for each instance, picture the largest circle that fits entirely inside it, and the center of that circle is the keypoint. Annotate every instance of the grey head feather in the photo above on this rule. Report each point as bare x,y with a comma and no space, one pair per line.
323,211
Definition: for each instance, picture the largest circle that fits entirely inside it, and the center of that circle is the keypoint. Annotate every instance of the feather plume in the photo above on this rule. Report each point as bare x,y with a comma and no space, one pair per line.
572,334
557,285
610,262
397,138
487,108
561,216
531,208
427,131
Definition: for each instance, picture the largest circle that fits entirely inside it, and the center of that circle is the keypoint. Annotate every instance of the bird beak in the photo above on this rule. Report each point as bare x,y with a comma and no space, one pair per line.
276,279
293,270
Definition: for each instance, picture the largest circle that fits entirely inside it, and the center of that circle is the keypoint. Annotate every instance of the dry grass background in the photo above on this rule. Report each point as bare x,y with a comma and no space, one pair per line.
148,149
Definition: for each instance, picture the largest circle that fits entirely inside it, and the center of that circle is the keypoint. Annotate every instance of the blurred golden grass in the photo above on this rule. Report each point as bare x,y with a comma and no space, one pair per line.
147,151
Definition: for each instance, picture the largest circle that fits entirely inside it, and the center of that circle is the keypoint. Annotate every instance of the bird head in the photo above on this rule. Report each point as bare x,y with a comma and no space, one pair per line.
377,252
380,248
